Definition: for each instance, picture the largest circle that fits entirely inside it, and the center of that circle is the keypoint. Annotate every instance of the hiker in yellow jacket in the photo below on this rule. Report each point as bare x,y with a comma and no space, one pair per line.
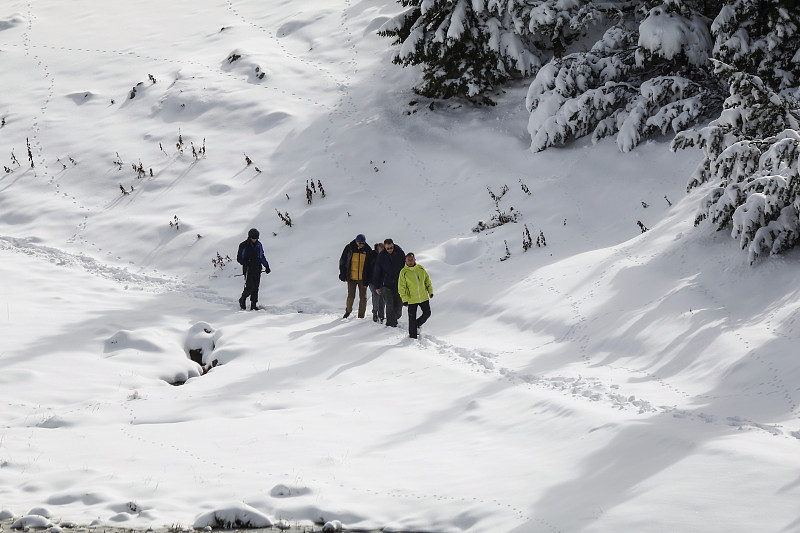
414,286
355,268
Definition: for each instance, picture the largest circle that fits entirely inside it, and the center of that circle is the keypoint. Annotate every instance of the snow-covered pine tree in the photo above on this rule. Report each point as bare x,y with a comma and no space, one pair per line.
468,47
760,37
554,25
751,160
648,74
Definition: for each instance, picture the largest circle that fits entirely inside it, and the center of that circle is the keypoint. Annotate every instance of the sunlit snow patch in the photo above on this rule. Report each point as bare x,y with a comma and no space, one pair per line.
152,353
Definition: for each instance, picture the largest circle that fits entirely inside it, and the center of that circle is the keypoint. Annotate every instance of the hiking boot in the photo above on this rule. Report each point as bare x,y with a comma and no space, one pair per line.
374,316
346,314
253,306
242,304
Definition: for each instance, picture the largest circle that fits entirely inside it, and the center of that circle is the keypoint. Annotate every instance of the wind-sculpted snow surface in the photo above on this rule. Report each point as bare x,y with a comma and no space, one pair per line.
605,380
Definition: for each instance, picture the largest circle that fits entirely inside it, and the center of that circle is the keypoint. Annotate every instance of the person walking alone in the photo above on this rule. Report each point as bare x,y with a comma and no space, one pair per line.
414,286
355,268
251,257
387,267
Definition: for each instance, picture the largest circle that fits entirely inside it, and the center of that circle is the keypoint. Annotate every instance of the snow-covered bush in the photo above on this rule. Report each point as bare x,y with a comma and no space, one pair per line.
235,516
750,166
200,343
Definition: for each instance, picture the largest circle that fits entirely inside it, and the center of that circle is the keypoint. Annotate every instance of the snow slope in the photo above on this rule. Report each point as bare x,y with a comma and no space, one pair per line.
613,380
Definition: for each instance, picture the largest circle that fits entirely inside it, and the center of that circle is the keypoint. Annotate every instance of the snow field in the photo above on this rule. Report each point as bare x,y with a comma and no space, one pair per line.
611,381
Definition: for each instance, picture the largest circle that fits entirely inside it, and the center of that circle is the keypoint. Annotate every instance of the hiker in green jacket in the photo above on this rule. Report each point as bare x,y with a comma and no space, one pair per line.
414,286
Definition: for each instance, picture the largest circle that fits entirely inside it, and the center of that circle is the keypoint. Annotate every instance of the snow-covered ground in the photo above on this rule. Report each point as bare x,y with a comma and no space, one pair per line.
612,380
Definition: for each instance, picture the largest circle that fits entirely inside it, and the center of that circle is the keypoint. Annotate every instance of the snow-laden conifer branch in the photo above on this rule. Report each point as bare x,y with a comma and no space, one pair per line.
751,159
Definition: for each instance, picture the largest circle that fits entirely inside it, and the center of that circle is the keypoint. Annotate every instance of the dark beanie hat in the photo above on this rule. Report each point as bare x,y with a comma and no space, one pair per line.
360,238
253,233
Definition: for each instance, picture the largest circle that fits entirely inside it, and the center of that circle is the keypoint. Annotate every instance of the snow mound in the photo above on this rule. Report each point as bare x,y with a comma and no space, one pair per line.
153,353
200,343
244,63
35,521
333,525
460,250
284,491
236,516
14,20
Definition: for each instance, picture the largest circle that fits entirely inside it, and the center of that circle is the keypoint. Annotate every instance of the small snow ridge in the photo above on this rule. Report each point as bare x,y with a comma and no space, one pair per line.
8,23
284,491
122,340
461,250
81,97
54,422
238,515
290,27
34,521
218,189
153,352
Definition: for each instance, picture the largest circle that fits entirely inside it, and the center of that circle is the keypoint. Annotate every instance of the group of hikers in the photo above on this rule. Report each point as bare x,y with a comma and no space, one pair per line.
394,278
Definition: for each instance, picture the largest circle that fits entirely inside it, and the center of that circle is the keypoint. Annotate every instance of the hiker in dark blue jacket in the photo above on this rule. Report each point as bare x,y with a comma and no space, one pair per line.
387,268
251,257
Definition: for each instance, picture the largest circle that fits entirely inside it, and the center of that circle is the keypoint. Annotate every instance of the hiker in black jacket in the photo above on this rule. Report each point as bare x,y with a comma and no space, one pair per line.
387,268
251,257
355,268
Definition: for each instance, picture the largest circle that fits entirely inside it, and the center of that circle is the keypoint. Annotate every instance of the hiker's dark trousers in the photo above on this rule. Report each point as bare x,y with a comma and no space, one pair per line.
252,279
414,323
